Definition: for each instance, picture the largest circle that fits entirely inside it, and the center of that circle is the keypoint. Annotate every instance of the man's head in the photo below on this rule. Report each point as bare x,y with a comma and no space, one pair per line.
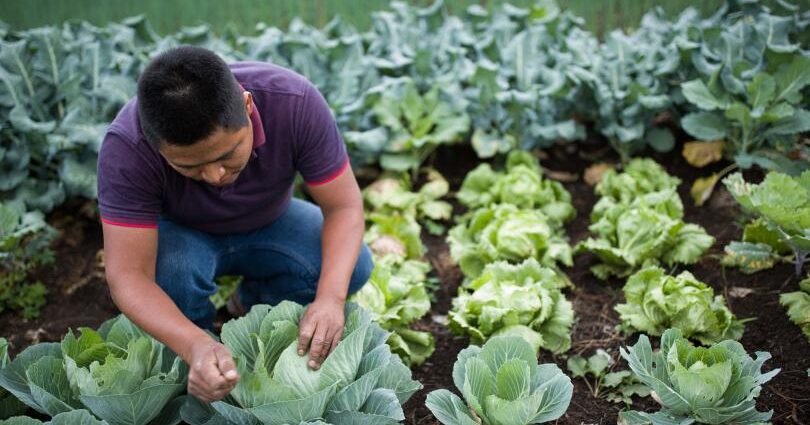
194,111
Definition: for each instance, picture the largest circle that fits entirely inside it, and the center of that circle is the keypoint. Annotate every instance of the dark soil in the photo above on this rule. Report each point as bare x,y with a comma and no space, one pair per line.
78,295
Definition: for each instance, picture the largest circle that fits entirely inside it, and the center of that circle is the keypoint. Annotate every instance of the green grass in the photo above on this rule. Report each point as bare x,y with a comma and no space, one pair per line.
243,15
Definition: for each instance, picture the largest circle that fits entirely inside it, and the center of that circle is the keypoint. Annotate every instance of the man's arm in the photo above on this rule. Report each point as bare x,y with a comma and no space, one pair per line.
341,238
130,255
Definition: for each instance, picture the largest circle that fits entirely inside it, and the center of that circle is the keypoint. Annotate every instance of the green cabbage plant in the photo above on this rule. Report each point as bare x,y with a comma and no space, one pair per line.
396,297
361,382
119,373
714,385
502,384
782,203
798,306
522,300
9,405
75,417
656,301
507,233
521,184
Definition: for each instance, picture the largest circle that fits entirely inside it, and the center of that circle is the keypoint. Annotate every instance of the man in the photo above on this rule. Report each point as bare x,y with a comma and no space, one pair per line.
195,179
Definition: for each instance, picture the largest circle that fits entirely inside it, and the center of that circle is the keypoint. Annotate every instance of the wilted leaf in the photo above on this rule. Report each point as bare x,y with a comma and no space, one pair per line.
593,174
702,189
749,257
701,154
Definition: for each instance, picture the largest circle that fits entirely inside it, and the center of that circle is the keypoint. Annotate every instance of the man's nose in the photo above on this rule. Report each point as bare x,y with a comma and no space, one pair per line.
213,173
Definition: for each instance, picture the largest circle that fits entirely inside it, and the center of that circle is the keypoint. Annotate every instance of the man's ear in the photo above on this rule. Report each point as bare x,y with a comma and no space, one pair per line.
248,98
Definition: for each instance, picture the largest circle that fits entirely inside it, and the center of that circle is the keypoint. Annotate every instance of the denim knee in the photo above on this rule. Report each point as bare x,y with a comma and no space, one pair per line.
362,270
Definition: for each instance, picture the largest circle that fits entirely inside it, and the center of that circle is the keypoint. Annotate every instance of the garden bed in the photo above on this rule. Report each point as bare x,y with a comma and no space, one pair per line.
78,295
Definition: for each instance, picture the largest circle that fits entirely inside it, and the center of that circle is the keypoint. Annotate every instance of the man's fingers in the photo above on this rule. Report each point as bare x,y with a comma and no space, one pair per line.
225,363
336,340
319,348
305,335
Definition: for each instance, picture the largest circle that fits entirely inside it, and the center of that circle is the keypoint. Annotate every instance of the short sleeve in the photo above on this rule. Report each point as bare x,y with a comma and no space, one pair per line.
129,184
320,154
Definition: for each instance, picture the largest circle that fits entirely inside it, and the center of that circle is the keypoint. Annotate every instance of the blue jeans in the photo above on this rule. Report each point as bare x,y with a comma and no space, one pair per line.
281,261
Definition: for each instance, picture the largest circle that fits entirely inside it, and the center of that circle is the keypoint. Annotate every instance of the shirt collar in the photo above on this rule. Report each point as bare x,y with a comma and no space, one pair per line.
258,128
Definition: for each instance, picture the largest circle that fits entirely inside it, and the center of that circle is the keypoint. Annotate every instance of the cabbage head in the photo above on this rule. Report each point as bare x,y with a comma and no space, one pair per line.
502,384
361,382
714,385
119,373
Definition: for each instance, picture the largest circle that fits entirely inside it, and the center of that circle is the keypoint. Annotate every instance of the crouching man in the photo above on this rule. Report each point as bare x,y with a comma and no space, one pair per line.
195,180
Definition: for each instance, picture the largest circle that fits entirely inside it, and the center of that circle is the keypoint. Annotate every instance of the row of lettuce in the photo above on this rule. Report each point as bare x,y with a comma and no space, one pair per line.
118,375
419,78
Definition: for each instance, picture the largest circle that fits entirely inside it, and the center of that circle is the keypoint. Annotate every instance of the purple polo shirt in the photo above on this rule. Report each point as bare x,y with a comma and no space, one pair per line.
293,132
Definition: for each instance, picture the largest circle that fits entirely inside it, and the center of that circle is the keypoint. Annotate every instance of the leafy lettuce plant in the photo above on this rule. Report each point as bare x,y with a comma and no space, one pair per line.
521,184
714,385
638,222
648,231
782,203
523,300
396,297
394,234
797,304
75,417
9,405
390,195
507,233
639,177
118,373
656,301
502,384
25,240
360,382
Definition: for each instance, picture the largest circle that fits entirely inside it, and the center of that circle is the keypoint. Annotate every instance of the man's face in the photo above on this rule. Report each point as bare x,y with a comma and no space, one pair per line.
217,159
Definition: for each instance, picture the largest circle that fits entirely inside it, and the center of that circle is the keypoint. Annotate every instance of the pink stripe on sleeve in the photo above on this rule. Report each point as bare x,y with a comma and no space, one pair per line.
331,177
133,225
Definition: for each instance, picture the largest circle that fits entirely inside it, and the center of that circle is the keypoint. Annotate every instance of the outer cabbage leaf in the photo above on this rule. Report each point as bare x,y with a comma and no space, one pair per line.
360,382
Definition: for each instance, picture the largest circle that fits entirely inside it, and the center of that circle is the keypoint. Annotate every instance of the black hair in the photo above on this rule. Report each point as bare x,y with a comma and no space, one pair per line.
185,94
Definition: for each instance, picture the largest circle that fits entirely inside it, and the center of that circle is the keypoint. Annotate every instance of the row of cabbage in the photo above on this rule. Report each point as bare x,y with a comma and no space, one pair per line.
118,375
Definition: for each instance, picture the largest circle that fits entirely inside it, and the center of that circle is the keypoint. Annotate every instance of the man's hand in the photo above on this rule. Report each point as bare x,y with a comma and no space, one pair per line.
212,374
322,325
